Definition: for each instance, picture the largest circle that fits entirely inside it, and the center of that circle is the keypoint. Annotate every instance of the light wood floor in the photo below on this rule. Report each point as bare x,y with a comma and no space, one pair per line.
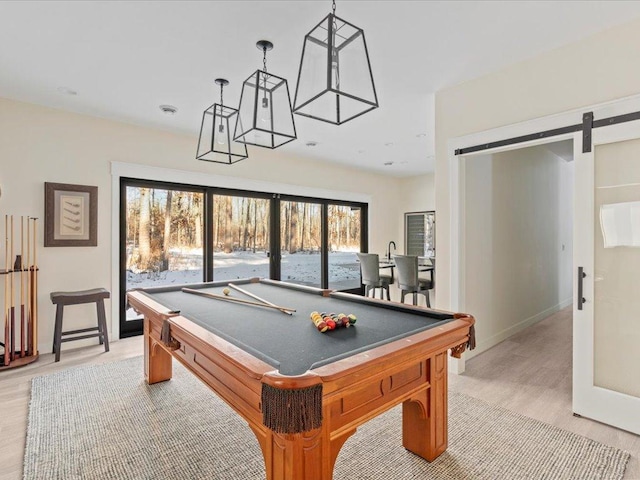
530,374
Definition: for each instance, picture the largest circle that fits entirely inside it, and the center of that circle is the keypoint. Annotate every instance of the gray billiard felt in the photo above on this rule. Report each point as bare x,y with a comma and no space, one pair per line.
292,344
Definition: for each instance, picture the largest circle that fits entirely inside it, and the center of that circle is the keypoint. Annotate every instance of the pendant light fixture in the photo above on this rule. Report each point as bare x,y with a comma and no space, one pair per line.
335,83
265,118
215,143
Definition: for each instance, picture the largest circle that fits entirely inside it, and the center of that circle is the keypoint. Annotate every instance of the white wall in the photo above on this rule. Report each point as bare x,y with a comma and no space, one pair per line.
597,69
39,145
418,194
517,237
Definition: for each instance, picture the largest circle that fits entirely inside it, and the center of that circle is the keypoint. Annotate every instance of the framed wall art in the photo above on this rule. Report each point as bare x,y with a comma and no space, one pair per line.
70,215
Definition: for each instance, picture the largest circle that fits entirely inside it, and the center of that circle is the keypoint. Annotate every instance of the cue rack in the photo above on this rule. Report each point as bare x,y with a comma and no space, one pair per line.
19,345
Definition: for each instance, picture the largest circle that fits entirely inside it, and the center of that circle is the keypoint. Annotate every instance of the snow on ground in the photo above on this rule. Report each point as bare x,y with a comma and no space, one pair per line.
304,268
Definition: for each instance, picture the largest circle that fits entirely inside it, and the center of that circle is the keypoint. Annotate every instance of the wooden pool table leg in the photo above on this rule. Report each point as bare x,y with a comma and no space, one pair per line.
424,416
157,360
307,455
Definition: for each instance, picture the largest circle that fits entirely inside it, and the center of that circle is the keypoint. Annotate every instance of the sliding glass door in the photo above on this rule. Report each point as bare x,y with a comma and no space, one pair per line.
301,242
162,240
345,240
241,236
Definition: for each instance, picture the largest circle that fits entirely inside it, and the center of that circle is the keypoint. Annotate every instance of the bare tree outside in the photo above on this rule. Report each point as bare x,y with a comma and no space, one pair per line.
164,233
144,234
241,237
344,241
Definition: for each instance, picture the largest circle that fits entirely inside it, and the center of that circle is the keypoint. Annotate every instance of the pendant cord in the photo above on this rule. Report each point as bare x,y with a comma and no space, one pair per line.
264,59
221,101
265,101
333,7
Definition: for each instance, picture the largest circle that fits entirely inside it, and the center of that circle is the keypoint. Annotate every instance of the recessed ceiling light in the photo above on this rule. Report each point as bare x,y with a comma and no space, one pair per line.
311,144
67,91
168,109
388,164
388,144
360,151
421,135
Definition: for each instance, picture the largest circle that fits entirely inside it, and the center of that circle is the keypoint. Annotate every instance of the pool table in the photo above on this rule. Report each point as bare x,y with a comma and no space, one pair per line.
303,392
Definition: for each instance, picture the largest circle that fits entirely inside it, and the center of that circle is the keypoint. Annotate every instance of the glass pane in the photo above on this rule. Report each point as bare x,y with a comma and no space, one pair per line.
240,237
344,242
301,242
617,263
420,234
164,238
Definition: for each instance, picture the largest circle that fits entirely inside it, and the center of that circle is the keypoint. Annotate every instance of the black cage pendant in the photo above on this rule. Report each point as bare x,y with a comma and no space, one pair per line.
265,118
335,83
215,143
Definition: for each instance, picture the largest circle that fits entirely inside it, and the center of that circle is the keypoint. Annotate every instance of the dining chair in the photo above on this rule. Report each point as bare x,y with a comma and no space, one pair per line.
409,281
371,277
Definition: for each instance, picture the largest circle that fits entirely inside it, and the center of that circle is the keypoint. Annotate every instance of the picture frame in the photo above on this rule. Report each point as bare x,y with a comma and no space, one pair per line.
70,215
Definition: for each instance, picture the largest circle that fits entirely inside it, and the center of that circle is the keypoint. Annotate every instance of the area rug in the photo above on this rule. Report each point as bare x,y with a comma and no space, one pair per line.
104,422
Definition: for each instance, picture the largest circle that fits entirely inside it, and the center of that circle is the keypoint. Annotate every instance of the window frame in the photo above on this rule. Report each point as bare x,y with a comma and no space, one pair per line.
134,327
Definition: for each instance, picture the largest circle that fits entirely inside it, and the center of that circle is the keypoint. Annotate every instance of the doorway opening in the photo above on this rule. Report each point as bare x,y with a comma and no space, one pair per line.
516,237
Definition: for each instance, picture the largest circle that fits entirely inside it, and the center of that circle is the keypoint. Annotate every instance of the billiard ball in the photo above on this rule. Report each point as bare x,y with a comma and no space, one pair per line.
226,291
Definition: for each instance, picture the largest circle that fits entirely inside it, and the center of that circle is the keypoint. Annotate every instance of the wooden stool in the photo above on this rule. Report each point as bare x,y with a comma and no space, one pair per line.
60,299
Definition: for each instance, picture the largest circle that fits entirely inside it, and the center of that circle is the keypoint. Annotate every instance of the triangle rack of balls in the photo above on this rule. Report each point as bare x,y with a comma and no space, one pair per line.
326,322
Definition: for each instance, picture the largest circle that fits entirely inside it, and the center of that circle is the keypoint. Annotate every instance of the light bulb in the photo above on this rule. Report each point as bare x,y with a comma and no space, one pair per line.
222,137
265,112
335,69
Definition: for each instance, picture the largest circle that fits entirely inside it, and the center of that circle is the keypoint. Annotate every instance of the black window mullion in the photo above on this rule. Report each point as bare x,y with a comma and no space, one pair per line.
131,327
275,256
208,236
324,251
364,228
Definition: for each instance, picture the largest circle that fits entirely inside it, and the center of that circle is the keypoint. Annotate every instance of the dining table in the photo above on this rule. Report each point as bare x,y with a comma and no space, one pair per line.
425,264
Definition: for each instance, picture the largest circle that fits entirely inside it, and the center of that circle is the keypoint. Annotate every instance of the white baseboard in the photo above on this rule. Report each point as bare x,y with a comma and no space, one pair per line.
492,341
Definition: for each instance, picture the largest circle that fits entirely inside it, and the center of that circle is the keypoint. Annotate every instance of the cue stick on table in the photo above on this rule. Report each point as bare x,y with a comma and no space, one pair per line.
215,296
242,290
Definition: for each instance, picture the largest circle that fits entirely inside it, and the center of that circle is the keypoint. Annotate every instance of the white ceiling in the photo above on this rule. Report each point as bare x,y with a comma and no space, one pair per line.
124,59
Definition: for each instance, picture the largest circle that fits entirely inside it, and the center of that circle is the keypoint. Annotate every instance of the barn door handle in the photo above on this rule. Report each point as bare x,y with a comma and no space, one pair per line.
581,276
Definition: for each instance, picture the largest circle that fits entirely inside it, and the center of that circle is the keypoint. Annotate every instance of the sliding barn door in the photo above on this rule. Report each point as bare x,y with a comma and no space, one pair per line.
606,340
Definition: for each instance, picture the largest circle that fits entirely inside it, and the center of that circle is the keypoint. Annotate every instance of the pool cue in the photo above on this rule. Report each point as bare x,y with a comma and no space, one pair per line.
4,279
13,303
22,320
215,296
34,293
242,290
6,290
29,344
